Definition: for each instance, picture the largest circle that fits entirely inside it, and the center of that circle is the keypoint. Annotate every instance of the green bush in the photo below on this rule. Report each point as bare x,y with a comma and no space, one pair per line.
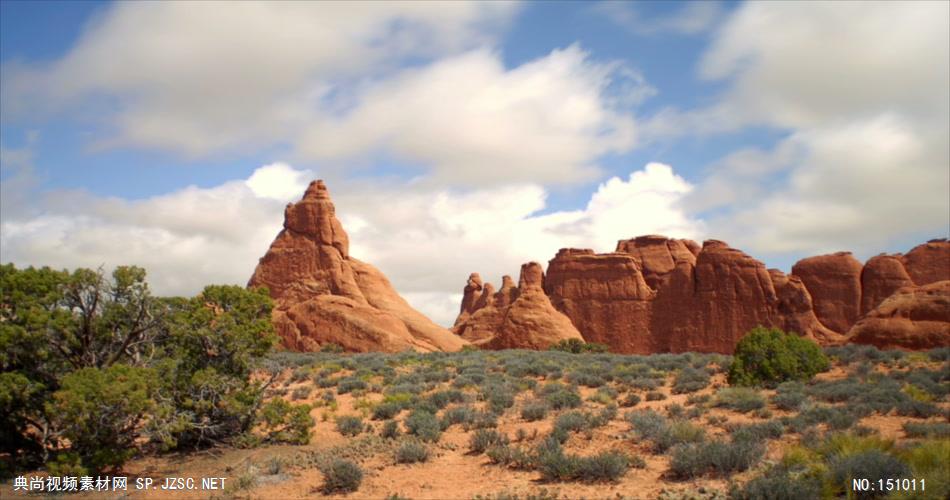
411,451
390,430
534,410
341,476
777,484
100,412
770,356
871,464
424,425
485,438
723,458
283,422
576,346
690,380
349,425
741,399
630,400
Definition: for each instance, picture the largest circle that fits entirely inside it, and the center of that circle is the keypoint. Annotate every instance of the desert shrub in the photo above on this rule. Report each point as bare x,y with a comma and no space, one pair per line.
482,420
690,380
301,393
511,456
655,396
916,409
676,433
411,451
760,431
441,399
555,465
350,384
499,398
386,411
457,415
720,457
741,399
771,356
349,425
929,460
576,346
675,410
570,422
341,476
789,400
604,395
630,400
866,464
534,410
608,466
331,348
698,399
927,429
644,383
283,422
777,484
390,430
647,423
482,439
560,396
585,379
424,425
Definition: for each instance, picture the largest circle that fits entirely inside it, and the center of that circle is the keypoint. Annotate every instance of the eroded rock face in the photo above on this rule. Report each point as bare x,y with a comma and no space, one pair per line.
915,317
322,295
928,263
604,295
656,294
834,282
881,277
519,317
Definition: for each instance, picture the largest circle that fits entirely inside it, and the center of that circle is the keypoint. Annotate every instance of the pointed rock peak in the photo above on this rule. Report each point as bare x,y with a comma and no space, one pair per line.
532,277
317,190
507,282
474,281
315,216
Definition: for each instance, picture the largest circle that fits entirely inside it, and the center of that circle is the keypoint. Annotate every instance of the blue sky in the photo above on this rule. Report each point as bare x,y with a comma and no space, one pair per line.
463,137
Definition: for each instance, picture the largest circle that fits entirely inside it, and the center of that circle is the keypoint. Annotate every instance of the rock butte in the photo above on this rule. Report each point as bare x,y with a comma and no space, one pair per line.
657,294
652,294
323,295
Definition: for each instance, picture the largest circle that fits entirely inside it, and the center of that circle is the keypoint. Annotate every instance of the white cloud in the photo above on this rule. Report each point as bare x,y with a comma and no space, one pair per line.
470,120
863,92
197,78
425,239
691,19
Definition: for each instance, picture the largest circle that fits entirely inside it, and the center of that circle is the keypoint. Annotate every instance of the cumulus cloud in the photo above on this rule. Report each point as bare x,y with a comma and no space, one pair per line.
863,93
425,239
471,120
195,78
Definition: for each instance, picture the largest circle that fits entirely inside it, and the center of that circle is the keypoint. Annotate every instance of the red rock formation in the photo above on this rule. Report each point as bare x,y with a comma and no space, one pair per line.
834,282
656,294
796,313
881,277
731,293
605,296
517,318
928,263
915,317
323,295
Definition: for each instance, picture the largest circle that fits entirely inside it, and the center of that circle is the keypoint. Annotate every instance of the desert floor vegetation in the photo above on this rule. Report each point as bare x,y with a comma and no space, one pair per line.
585,424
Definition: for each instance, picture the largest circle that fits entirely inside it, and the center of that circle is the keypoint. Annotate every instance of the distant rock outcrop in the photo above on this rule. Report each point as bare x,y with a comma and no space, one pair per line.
323,295
656,294
915,317
519,317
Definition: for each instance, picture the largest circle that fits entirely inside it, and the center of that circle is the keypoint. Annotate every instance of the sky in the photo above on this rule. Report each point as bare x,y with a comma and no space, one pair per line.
467,137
